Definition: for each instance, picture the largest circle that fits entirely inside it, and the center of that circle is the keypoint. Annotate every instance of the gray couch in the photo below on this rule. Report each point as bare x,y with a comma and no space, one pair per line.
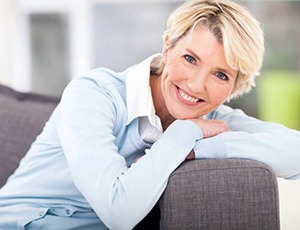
201,194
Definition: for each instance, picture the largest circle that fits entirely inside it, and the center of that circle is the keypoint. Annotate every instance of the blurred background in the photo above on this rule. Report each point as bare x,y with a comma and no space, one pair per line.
44,44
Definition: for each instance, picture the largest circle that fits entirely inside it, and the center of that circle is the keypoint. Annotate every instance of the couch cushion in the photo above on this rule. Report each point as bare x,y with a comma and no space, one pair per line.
22,117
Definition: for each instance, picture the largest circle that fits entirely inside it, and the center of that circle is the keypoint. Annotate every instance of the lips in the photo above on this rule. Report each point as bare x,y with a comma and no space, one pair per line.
186,98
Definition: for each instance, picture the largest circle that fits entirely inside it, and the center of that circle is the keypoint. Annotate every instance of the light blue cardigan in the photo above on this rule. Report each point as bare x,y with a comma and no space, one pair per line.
80,171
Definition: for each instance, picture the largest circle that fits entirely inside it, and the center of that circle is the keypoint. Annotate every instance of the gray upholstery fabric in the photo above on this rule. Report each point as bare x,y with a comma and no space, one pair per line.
22,117
221,194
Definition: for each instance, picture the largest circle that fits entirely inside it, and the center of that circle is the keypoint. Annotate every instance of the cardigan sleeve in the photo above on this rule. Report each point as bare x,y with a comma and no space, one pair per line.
249,138
120,195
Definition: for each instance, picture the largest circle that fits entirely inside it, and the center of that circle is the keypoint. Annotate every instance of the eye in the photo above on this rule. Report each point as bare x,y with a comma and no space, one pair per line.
189,59
222,76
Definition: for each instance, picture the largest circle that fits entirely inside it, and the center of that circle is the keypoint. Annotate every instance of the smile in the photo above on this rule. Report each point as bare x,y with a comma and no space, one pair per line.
188,98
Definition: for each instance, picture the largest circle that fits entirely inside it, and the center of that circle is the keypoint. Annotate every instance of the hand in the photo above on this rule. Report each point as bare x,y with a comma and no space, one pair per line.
211,128
137,159
191,155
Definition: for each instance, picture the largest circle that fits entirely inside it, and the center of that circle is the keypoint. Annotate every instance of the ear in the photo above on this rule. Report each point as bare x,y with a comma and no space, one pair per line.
166,40
234,89
165,48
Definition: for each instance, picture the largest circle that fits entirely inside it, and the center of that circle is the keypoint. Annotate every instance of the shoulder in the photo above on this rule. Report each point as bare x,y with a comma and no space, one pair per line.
223,111
100,81
230,115
103,77
98,89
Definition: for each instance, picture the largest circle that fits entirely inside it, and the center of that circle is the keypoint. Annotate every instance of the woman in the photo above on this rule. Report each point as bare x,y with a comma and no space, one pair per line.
104,157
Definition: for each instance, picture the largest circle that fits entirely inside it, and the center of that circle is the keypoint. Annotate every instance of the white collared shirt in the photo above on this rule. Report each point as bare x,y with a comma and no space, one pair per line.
150,127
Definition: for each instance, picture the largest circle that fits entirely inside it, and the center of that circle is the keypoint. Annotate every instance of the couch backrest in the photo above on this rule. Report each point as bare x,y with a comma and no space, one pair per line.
22,117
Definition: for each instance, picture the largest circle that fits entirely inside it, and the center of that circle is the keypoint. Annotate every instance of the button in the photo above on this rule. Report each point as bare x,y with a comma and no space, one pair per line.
68,211
41,213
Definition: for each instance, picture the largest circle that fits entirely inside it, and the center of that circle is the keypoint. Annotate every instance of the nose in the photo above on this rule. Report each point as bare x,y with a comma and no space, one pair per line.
197,83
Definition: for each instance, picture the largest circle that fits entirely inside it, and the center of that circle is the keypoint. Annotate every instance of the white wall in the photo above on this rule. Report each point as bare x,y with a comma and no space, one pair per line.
289,199
7,25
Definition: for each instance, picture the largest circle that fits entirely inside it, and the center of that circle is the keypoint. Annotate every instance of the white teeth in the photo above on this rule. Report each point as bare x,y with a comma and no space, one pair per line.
187,97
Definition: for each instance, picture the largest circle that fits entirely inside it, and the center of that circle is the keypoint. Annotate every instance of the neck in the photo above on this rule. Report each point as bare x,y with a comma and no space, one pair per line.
159,102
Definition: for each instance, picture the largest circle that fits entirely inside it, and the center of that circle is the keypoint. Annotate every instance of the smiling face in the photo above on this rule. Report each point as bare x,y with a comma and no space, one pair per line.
196,78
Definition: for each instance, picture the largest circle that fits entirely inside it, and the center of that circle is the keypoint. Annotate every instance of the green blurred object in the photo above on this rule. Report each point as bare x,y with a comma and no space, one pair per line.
278,98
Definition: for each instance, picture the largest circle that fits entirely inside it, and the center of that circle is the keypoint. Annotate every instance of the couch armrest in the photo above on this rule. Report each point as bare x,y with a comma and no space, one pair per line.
221,194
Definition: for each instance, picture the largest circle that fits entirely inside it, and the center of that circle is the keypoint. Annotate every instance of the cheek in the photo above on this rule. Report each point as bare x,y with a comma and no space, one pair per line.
174,73
219,94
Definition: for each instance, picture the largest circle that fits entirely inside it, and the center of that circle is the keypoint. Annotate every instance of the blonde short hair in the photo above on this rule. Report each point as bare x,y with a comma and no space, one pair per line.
232,25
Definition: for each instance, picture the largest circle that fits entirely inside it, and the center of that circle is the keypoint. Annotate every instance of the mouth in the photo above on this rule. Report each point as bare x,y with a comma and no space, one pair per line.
186,98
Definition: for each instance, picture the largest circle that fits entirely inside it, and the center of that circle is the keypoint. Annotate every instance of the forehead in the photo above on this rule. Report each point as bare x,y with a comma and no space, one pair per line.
202,41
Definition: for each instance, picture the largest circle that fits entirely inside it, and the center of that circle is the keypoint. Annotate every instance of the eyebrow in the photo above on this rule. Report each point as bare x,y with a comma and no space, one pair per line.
219,69
194,54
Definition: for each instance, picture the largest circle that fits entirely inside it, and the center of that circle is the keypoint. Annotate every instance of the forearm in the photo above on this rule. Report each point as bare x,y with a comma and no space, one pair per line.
137,189
122,195
278,149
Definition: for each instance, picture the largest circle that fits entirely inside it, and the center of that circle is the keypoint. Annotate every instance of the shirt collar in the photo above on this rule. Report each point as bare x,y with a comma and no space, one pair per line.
138,93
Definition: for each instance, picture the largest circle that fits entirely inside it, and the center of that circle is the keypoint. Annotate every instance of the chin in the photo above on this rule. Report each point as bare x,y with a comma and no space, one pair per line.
184,116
